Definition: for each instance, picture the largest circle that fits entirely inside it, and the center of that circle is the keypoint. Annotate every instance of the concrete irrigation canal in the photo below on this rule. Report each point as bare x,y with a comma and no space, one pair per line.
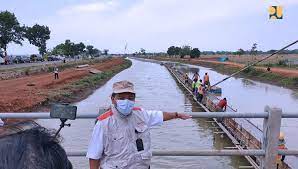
157,89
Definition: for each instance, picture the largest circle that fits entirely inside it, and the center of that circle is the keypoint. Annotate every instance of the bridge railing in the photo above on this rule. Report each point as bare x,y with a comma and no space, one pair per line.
271,129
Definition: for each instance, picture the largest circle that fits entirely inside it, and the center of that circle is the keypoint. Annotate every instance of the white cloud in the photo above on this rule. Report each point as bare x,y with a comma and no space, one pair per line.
150,16
88,8
155,24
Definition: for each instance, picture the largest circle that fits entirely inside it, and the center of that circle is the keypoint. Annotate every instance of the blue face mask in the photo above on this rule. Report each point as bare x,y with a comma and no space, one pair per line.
124,107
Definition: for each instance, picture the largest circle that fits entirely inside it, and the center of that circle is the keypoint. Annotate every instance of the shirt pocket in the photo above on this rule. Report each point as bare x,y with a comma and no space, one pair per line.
141,128
115,144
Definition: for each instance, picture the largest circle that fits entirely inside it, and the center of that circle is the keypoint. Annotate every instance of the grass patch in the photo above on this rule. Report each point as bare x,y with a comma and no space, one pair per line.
83,87
93,80
66,94
293,81
27,71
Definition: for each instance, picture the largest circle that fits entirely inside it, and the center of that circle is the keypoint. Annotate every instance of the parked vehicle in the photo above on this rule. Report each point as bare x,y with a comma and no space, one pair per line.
60,57
26,59
18,59
21,59
40,58
52,58
2,61
36,58
55,58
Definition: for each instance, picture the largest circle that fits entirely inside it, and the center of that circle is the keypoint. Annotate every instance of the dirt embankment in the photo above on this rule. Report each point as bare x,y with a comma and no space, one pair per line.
35,91
279,76
22,70
280,71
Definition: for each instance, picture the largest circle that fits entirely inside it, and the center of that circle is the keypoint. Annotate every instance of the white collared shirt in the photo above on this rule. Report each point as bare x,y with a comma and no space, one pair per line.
96,145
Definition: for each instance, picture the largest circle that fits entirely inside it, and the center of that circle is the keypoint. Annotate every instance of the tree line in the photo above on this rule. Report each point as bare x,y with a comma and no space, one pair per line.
11,31
252,51
184,51
70,49
195,52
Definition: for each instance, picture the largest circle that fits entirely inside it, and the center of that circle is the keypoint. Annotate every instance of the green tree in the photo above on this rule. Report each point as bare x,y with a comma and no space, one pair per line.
177,51
271,51
240,52
89,49
80,48
185,50
38,35
143,51
195,53
58,50
93,51
105,51
69,48
253,50
72,49
96,52
171,51
10,30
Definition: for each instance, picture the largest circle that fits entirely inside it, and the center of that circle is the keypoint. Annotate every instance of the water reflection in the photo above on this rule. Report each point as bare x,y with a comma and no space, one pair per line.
252,96
248,83
295,95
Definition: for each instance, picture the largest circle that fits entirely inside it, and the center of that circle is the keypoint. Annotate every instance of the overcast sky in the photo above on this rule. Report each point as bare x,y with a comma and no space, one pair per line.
157,24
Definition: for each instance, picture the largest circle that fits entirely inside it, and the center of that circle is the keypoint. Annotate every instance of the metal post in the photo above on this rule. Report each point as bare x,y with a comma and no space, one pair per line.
271,129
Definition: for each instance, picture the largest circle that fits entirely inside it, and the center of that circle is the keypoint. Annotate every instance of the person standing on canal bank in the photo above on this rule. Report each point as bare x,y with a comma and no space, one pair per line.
200,93
196,76
206,80
195,86
121,136
56,73
186,78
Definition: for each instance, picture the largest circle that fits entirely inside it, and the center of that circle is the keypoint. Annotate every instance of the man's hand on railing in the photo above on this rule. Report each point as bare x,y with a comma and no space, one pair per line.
183,116
169,116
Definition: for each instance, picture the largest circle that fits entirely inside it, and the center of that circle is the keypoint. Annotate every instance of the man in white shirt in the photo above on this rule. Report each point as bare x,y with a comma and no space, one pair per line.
56,73
121,137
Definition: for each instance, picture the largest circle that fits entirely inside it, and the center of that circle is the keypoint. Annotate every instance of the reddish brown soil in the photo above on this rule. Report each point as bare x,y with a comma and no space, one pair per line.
24,93
280,71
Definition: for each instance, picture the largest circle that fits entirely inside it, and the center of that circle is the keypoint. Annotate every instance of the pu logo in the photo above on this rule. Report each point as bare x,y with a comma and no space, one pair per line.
275,12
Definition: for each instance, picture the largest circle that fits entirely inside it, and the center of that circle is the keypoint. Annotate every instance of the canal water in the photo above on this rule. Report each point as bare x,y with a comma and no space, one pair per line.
246,95
156,89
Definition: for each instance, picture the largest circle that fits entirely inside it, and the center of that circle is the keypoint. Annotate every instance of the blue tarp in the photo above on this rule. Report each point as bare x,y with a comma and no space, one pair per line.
223,58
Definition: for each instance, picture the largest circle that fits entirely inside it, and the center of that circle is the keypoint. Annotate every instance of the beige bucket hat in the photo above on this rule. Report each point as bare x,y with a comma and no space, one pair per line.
123,86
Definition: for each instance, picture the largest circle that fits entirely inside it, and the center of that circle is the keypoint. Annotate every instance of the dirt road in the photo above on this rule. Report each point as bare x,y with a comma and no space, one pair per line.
280,71
24,93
